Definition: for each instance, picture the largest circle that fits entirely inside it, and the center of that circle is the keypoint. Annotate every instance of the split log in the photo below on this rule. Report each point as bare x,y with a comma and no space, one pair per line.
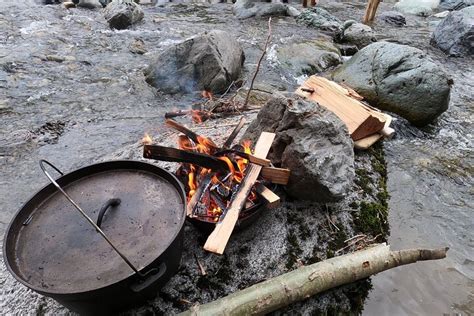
372,6
217,240
203,187
361,121
178,155
276,175
368,141
252,158
272,200
306,281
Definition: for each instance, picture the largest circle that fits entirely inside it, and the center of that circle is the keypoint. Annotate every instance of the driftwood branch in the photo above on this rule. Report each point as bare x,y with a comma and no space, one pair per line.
304,282
259,61
234,133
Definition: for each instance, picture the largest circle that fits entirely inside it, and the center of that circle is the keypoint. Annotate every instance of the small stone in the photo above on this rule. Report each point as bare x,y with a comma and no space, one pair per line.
56,58
393,18
88,4
69,5
244,9
138,47
321,19
417,7
454,5
359,35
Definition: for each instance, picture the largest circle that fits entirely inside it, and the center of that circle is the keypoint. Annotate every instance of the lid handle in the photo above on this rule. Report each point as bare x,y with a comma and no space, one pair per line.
105,207
97,228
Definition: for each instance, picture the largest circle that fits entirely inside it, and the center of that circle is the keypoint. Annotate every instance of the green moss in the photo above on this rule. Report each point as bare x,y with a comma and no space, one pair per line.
357,294
329,254
294,249
364,181
372,218
354,205
339,239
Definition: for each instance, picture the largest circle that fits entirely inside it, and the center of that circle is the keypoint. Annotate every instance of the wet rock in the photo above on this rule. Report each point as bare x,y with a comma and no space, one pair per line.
320,19
88,4
418,7
244,9
393,18
347,49
452,5
358,34
399,79
311,141
121,14
210,61
455,34
138,47
309,58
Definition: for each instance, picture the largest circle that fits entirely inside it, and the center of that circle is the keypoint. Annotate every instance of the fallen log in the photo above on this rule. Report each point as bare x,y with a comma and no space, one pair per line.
309,280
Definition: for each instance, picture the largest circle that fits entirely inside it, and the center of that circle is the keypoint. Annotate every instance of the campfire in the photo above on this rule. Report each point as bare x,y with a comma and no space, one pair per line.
222,183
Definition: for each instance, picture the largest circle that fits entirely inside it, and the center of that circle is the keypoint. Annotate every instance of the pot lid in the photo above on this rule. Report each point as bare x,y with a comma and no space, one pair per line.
52,248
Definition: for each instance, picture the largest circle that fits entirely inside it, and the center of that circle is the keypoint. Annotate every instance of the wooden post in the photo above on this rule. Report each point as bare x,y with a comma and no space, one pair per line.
370,11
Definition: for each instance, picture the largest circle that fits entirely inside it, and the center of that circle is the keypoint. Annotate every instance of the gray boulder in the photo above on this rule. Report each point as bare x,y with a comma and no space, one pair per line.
88,4
399,79
452,5
121,14
359,35
321,19
244,9
455,34
393,18
210,61
308,58
417,7
312,142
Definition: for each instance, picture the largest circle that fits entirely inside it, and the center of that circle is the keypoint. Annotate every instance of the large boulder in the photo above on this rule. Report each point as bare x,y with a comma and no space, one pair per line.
308,58
244,9
359,35
452,5
121,14
455,34
393,18
312,142
399,79
210,61
321,19
417,7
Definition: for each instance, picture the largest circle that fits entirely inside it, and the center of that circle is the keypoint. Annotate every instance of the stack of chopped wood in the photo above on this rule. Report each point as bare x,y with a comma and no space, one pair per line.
366,124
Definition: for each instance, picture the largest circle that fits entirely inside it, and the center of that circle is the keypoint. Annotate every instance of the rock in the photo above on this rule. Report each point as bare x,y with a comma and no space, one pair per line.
452,5
417,7
69,4
393,18
321,19
138,47
441,15
358,34
455,34
244,9
309,57
121,14
210,61
347,49
399,79
88,4
312,142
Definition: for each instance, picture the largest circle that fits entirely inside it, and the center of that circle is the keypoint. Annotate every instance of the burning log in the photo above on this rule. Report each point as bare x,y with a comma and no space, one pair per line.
218,239
297,285
196,197
177,155
198,139
249,157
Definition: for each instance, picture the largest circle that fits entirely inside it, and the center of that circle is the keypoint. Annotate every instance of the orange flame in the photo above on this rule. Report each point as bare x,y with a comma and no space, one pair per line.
207,94
147,140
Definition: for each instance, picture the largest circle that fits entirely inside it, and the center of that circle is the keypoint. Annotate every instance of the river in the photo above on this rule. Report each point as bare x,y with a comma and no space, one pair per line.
71,92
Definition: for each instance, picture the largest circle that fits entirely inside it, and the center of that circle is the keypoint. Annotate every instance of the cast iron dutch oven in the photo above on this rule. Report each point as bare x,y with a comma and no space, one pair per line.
101,238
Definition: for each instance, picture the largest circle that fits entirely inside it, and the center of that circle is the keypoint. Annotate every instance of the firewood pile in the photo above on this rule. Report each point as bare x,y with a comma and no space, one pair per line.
221,182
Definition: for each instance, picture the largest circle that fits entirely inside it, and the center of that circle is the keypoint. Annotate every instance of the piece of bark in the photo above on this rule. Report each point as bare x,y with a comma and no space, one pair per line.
276,175
217,240
299,284
178,155
272,200
361,121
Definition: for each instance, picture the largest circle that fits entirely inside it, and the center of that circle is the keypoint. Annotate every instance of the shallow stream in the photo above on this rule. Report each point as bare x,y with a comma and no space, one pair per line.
71,92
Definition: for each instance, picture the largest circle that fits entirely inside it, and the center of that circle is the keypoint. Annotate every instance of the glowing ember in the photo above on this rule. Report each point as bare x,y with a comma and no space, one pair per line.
147,140
207,94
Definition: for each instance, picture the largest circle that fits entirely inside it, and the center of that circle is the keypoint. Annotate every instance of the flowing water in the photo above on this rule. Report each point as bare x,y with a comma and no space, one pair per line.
71,92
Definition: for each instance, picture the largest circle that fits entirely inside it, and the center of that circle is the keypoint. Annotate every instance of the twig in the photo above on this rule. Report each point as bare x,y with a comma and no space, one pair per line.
234,133
259,61
201,267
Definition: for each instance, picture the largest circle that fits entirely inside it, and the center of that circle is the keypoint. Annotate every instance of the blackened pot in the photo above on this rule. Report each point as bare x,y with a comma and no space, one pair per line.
51,248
